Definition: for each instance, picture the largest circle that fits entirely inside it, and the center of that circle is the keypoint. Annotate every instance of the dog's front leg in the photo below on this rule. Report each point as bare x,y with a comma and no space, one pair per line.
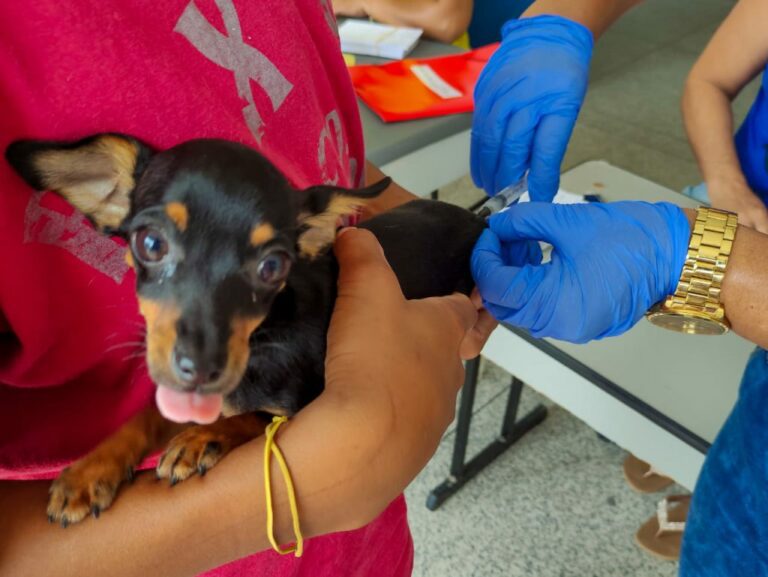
90,484
200,447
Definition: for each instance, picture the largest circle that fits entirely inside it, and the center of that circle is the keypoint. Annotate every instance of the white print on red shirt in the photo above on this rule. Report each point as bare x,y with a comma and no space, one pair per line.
248,63
47,226
231,52
333,134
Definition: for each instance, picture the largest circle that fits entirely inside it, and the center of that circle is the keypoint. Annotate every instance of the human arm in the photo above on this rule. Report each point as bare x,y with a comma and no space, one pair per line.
394,195
610,263
596,15
743,294
378,430
528,97
734,56
443,20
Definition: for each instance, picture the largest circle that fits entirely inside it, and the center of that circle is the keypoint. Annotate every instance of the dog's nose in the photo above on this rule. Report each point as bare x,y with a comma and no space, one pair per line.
189,372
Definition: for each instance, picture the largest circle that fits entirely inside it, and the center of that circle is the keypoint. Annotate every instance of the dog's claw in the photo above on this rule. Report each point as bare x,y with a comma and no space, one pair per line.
64,522
95,511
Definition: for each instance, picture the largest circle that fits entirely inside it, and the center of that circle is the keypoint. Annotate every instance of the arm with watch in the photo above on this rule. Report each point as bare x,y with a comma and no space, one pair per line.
694,271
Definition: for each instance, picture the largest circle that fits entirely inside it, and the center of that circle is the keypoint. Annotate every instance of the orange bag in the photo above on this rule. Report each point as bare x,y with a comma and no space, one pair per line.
421,87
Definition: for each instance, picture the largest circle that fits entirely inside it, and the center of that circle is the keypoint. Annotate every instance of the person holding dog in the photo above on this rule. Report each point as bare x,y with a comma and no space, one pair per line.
71,368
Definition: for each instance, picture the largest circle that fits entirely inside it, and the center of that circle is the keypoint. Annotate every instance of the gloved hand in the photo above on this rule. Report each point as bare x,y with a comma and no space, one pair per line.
610,263
526,103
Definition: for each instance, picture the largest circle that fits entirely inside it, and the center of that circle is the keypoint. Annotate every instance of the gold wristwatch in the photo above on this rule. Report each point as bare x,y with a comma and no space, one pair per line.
695,307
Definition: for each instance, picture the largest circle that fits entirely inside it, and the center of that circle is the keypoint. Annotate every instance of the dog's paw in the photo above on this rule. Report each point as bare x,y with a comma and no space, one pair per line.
87,487
195,450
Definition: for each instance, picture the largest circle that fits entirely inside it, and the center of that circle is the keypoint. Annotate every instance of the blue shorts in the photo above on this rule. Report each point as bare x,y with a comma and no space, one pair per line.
726,534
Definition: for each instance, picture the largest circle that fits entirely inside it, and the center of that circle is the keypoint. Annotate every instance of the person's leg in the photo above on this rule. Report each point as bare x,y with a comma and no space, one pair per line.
726,534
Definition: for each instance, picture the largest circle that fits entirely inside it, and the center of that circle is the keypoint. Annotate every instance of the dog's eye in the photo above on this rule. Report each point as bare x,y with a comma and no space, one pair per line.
150,245
274,267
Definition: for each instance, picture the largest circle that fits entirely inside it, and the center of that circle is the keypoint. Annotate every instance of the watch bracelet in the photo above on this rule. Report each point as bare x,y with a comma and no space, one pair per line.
708,252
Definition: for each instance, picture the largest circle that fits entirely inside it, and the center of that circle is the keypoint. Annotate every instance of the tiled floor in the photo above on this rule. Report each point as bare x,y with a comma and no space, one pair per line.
556,504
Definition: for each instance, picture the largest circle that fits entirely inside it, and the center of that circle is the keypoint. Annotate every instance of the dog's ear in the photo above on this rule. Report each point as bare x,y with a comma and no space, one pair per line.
323,206
96,175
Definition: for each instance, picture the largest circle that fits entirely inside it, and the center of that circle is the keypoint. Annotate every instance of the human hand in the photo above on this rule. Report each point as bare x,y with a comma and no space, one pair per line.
610,263
478,335
739,198
351,8
526,103
395,362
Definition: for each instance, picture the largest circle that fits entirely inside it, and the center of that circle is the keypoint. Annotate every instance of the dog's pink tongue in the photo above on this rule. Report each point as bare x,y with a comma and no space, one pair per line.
185,407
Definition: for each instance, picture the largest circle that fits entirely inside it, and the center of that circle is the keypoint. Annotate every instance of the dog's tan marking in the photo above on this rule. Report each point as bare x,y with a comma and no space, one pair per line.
322,226
199,448
261,233
90,484
238,347
178,213
228,410
97,178
280,412
161,319
129,259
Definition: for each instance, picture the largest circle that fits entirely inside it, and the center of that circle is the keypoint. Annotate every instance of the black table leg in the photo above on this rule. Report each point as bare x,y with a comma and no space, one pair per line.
512,429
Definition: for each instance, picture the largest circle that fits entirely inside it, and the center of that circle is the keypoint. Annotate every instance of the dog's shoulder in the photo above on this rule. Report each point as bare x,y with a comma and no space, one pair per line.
428,244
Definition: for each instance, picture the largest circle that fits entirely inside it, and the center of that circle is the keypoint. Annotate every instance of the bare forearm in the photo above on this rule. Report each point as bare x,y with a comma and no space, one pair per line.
199,524
393,196
709,124
443,20
597,15
743,292
150,530
735,55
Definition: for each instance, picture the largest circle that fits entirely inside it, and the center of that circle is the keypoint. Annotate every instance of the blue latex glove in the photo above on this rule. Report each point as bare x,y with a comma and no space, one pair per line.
610,263
526,103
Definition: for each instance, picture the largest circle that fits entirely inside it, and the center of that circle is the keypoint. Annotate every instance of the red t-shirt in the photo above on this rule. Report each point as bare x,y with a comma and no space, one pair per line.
267,73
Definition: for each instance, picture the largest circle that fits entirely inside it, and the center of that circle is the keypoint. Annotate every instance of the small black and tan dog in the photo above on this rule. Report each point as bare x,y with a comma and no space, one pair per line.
236,283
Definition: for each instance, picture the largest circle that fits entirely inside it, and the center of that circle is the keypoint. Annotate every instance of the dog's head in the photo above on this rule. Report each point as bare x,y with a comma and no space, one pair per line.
213,229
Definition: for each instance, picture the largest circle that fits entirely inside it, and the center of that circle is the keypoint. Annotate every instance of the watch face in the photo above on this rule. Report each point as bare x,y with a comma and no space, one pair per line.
689,325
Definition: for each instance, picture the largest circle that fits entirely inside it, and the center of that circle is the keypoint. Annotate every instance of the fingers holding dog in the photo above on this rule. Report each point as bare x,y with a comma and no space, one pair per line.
479,334
375,331
361,263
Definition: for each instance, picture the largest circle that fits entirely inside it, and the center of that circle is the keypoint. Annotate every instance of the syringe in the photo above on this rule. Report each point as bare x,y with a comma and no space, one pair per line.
504,198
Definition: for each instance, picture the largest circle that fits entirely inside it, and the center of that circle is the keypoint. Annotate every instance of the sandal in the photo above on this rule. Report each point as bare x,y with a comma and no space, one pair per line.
642,477
662,534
